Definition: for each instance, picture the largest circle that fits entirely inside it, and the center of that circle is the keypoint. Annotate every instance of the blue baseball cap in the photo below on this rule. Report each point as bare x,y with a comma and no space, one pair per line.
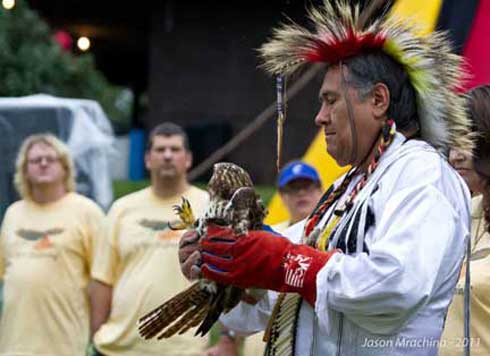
296,170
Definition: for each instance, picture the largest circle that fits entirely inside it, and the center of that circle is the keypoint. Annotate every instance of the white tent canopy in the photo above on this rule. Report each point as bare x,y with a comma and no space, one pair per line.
81,123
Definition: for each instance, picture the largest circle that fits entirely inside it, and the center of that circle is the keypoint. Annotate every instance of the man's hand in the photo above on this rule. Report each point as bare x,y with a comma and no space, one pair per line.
189,255
224,347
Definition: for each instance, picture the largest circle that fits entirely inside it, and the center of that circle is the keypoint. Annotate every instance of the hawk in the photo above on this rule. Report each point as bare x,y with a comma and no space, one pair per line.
233,202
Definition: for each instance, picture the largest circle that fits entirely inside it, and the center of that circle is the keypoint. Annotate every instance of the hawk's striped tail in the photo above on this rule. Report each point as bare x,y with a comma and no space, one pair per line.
180,313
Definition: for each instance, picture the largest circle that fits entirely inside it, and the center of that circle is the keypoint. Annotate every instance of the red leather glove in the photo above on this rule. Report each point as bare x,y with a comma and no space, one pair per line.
261,259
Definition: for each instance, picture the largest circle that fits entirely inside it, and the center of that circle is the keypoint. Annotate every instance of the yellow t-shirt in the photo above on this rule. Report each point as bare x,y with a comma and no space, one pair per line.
254,344
452,342
45,257
141,262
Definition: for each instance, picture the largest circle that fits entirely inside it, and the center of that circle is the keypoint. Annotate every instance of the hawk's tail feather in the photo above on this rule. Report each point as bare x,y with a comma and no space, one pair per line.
189,320
173,307
196,320
185,320
215,310
161,317
222,302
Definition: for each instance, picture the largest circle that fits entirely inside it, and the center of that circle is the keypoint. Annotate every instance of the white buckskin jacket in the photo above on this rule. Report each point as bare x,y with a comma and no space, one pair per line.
403,243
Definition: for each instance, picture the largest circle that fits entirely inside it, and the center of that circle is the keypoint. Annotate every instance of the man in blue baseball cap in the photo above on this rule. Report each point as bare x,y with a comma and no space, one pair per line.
300,189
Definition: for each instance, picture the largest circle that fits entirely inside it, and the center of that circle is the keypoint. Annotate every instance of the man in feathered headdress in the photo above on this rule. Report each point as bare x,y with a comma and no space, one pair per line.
372,270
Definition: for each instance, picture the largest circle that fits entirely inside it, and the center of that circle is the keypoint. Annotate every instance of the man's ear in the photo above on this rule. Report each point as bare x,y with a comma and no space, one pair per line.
147,160
380,100
188,163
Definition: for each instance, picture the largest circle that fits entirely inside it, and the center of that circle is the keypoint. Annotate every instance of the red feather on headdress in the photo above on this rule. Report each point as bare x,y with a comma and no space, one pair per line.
332,50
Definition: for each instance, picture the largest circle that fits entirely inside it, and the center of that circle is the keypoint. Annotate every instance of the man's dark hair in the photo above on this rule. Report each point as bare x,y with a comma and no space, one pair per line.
369,69
168,129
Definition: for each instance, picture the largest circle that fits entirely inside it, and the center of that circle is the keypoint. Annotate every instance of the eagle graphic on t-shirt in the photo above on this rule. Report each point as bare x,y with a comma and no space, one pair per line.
161,227
41,237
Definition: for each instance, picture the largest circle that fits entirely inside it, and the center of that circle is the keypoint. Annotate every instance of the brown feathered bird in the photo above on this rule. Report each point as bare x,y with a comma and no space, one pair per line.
233,202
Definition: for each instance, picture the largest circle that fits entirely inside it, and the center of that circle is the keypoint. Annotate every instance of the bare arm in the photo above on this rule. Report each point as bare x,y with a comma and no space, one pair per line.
228,343
100,295
224,347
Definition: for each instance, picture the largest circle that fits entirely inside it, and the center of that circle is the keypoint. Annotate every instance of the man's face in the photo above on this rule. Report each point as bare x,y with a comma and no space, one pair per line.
168,158
333,117
300,197
44,166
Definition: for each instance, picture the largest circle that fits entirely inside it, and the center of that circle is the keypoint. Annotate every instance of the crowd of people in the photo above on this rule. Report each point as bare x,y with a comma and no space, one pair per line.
75,280
377,264
72,275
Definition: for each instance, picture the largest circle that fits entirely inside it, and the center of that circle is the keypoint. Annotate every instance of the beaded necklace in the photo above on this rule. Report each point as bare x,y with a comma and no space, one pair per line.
317,237
281,330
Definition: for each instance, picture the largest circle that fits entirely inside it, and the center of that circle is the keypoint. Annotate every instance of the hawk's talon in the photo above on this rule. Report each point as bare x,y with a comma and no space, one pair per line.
179,226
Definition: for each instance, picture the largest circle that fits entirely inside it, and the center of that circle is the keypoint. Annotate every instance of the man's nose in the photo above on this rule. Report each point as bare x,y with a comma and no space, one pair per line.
323,116
167,154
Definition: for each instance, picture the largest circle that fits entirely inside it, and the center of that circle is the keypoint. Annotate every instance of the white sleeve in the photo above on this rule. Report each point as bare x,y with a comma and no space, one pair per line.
246,318
381,290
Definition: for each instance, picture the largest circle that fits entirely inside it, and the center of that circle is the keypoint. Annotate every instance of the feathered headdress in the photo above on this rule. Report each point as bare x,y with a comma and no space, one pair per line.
342,31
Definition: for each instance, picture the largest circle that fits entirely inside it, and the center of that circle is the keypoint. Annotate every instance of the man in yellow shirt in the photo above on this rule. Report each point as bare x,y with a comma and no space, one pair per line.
138,266
47,246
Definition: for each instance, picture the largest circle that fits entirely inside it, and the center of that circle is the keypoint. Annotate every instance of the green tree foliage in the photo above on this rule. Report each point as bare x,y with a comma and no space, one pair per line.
32,62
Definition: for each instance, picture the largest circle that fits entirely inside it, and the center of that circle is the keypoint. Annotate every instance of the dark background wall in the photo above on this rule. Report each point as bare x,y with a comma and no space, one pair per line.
204,75
196,61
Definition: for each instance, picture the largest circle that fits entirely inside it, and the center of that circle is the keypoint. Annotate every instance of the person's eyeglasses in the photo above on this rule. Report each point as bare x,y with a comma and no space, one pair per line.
39,160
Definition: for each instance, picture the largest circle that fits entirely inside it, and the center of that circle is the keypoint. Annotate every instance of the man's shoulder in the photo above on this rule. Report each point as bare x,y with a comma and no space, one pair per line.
418,160
198,199
196,193
17,204
85,203
15,207
417,149
421,168
131,198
